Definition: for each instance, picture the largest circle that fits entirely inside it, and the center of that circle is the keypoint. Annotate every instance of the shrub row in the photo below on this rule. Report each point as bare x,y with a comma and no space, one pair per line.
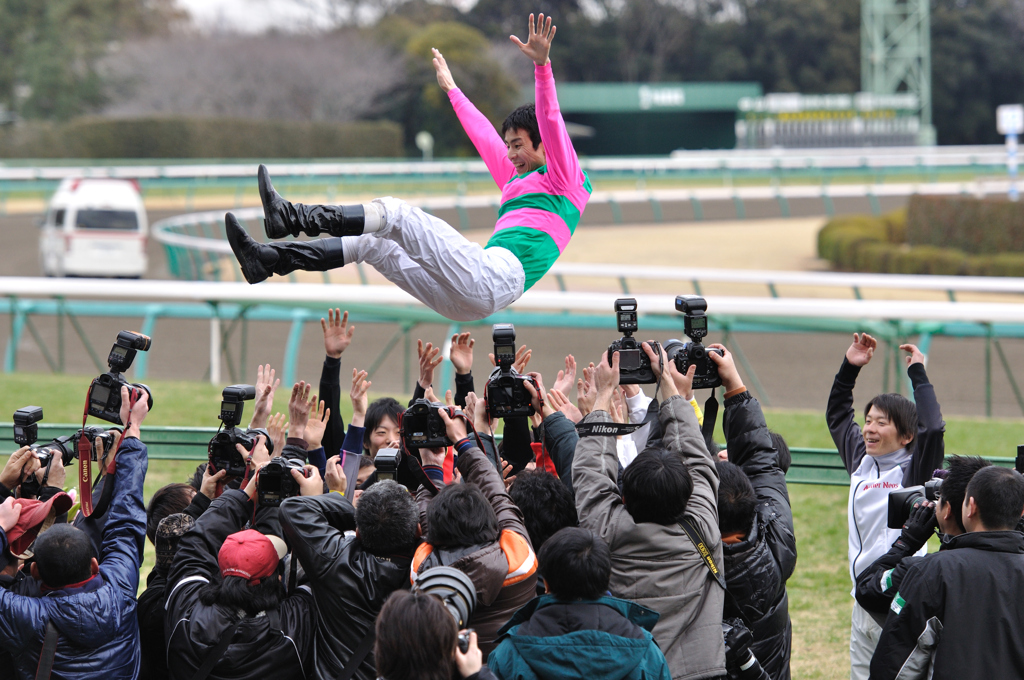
977,226
201,138
876,244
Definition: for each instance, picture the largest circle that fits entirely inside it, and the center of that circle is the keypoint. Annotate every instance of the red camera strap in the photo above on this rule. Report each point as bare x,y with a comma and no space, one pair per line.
85,459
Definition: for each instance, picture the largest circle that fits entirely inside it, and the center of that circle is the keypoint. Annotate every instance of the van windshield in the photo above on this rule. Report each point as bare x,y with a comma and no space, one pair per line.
122,220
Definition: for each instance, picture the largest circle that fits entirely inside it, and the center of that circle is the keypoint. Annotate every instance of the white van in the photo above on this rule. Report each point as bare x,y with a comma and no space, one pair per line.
94,227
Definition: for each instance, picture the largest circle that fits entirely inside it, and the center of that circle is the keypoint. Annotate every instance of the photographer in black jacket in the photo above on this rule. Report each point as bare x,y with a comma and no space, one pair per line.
957,613
227,605
756,521
879,583
351,575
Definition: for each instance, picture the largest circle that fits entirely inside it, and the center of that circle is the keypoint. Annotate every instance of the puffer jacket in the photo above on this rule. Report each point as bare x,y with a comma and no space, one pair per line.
96,622
280,639
757,567
607,638
505,571
349,584
656,565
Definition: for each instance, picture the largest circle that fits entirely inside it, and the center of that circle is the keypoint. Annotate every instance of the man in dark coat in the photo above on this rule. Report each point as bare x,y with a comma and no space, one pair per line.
957,613
756,520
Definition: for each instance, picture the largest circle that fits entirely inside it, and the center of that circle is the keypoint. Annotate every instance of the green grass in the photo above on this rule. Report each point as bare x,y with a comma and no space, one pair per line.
820,603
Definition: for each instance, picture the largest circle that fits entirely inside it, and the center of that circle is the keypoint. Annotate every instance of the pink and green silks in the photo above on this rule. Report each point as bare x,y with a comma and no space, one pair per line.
539,209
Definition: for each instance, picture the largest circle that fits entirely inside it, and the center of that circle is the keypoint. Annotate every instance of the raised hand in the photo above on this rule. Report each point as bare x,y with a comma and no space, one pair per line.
299,407
277,428
522,359
538,44
567,378
561,403
335,475
316,425
606,380
360,401
862,349
586,392
477,410
430,357
461,353
662,369
266,385
337,333
444,74
726,368
455,427
916,356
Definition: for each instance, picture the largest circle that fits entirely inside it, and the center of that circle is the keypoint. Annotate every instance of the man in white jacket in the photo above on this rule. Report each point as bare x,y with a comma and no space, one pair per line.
900,445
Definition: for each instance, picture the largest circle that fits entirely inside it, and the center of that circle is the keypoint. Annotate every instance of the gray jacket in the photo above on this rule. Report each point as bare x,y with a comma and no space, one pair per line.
656,565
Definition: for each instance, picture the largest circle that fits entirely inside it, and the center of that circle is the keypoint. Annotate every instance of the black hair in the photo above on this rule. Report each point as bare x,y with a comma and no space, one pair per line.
546,503
365,461
736,499
656,486
576,564
385,407
234,592
63,555
960,471
167,500
523,118
460,516
900,411
387,519
416,638
999,494
785,457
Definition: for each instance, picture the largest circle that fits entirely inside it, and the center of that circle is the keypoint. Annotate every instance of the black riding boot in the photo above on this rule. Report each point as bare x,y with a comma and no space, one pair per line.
283,218
320,255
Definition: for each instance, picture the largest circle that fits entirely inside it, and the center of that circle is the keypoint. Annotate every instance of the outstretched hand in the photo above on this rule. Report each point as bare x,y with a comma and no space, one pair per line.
538,44
444,74
337,333
916,356
862,349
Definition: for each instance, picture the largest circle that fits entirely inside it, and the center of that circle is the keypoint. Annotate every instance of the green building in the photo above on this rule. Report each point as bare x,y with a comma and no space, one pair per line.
633,119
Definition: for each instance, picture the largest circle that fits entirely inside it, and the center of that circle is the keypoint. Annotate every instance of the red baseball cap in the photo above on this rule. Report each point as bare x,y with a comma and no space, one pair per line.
250,555
36,516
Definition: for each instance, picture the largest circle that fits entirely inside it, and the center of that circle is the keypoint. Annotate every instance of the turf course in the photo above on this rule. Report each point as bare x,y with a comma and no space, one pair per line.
820,603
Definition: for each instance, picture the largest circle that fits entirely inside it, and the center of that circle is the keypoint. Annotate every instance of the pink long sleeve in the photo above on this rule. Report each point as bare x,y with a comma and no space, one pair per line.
562,164
485,138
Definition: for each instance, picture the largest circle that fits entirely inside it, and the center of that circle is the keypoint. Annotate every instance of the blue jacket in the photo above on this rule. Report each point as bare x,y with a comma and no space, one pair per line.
607,638
97,624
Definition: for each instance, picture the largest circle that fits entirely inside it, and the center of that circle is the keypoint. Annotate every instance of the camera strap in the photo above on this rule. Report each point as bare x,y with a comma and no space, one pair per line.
358,654
707,430
48,653
693,533
85,448
598,429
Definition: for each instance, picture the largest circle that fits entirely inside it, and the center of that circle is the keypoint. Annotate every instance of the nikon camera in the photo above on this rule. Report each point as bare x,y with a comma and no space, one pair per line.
634,364
506,392
26,433
222,452
902,502
422,427
276,482
105,391
695,323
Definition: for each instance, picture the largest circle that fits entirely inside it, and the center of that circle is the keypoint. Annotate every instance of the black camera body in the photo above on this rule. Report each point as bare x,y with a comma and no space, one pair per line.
26,428
105,391
276,482
387,462
902,502
506,388
421,426
222,452
695,323
634,364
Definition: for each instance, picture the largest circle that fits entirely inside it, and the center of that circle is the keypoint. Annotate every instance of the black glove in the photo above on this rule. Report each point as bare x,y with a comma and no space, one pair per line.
919,527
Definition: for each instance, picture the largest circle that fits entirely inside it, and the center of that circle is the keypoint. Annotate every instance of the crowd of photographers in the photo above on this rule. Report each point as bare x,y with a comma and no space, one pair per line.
606,537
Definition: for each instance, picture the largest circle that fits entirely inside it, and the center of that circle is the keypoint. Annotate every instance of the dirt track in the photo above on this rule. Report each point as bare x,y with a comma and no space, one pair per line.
796,369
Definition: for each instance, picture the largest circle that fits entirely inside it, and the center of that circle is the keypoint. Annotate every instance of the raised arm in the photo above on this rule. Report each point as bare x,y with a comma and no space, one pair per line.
839,412
929,442
485,138
563,167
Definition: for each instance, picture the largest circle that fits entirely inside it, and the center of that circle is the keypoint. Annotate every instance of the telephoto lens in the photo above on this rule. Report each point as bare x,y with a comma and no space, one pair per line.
455,590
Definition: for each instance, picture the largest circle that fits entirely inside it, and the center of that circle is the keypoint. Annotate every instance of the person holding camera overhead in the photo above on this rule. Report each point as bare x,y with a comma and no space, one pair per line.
900,445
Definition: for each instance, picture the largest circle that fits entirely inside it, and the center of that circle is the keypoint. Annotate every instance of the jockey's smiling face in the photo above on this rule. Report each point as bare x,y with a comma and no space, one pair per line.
521,151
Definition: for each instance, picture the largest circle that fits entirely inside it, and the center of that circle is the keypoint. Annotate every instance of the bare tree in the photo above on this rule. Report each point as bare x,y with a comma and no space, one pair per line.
285,77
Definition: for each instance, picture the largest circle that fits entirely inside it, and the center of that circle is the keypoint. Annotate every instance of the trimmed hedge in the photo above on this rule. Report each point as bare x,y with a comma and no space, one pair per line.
976,226
201,138
878,244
